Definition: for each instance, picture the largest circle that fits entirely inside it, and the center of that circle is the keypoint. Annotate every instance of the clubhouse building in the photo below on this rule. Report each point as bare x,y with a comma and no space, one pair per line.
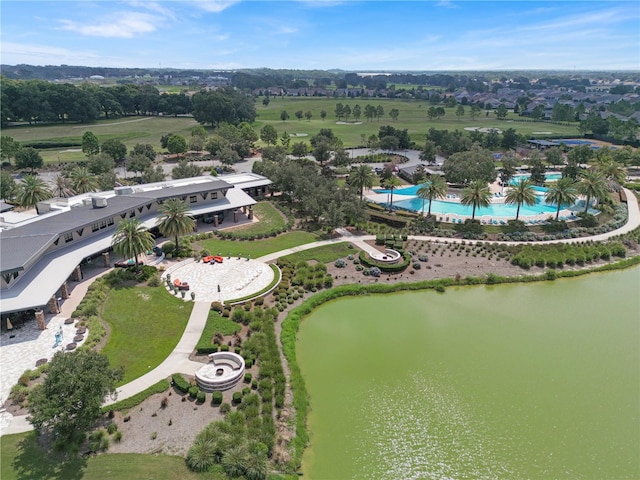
40,254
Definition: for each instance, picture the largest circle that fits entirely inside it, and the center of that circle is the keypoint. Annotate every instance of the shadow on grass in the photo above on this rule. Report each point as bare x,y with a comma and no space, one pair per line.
33,462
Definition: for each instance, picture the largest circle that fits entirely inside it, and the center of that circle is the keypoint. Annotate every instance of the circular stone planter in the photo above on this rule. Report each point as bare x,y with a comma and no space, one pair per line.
224,371
389,256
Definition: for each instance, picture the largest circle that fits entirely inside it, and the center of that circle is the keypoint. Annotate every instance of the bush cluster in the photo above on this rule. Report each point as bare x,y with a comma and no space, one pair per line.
181,384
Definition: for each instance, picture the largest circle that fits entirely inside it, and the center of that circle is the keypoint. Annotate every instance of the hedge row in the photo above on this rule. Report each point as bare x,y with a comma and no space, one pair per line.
181,384
128,403
555,256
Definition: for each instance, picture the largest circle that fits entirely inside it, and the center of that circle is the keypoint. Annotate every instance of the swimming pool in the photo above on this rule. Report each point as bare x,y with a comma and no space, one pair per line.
549,177
496,209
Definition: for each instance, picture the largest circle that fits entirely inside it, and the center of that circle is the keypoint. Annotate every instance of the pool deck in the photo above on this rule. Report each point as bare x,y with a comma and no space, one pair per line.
178,360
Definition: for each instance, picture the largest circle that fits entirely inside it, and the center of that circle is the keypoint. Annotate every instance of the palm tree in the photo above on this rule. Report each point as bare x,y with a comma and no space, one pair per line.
477,194
361,177
175,220
436,187
130,239
82,180
63,187
391,183
31,190
521,193
614,173
592,184
562,192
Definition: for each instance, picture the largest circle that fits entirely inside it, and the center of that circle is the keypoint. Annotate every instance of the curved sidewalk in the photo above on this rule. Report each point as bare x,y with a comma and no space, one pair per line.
178,360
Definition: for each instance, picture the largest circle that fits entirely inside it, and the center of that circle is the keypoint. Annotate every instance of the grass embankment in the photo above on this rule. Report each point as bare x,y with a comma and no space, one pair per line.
146,324
129,130
22,458
324,254
270,219
291,324
216,323
257,248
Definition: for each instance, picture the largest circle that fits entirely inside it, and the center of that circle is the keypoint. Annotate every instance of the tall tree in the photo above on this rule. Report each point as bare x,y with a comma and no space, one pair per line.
114,148
82,181
177,144
474,164
28,157
131,239
63,188
361,178
175,220
101,163
90,145
592,184
8,148
460,112
521,193
31,190
562,192
435,188
614,173
391,184
269,135
8,186
69,399
476,194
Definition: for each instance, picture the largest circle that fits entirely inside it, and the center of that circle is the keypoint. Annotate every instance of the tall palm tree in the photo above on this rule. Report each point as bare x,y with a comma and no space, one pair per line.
175,220
63,187
521,193
592,184
131,238
31,190
391,183
82,180
436,187
562,192
477,194
614,173
361,177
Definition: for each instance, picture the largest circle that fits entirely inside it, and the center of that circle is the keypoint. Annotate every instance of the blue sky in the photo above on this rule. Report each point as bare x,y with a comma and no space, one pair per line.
324,34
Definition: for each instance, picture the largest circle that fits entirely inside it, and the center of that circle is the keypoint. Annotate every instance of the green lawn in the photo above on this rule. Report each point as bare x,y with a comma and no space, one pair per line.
256,248
324,254
22,459
270,219
129,130
413,117
216,323
146,324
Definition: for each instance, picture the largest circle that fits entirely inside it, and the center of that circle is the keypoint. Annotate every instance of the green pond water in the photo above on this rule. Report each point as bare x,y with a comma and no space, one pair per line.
528,381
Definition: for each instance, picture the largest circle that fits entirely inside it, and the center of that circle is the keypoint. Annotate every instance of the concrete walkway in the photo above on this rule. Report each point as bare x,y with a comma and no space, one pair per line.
178,360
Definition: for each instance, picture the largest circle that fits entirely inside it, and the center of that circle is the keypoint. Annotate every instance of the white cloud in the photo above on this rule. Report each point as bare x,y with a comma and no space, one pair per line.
154,7
14,53
119,25
446,4
214,6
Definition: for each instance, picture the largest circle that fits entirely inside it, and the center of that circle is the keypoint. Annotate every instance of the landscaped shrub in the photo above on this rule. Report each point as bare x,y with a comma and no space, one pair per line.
112,428
340,263
201,396
217,307
180,383
236,398
247,377
193,391
216,398
417,265
225,408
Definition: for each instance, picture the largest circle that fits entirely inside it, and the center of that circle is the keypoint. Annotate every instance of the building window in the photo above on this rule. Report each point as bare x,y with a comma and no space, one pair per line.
68,237
193,199
110,221
103,224
132,213
95,227
214,195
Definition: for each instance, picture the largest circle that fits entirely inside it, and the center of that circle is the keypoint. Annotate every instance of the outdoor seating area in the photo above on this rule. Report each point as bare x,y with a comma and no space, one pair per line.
212,259
128,263
181,285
